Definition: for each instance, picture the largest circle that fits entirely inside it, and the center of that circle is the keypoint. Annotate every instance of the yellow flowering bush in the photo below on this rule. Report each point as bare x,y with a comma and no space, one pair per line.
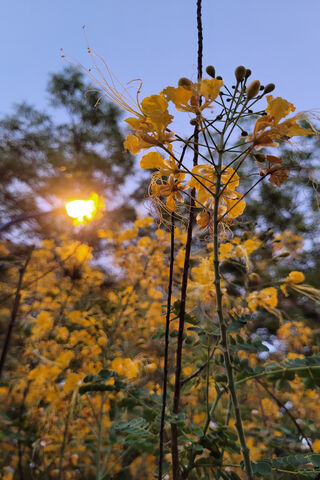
182,356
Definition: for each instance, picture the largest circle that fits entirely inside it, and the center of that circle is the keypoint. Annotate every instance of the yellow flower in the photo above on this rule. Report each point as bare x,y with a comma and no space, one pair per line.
186,98
172,190
268,129
64,358
43,325
293,278
150,124
126,367
154,160
73,380
266,298
251,244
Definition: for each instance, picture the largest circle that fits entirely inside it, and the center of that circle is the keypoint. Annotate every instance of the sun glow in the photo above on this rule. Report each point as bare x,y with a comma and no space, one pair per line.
82,211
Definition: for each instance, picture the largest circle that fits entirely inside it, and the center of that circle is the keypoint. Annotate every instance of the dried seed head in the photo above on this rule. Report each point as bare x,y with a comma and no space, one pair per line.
253,89
248,73
240,73
184,82
211,71
269,88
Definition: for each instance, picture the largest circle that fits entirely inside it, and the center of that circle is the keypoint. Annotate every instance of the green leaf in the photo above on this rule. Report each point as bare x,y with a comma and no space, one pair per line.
95,387
307,368
315,459
262,467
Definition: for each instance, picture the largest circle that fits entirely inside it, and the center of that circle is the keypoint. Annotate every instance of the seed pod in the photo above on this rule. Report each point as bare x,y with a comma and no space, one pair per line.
259,157
184,82
211,71
248,73
253,89
240,73
269,88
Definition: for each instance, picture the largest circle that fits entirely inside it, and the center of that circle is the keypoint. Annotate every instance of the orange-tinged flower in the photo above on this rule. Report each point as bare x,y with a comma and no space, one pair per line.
172,190
149,124
186,98
204,177
153,160
204,181
268,129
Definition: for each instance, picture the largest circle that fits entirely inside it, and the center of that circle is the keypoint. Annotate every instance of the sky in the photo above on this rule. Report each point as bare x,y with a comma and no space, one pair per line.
155,40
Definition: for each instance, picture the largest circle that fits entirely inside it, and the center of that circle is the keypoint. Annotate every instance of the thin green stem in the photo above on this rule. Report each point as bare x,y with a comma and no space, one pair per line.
123,454
64,442
223,325
99,438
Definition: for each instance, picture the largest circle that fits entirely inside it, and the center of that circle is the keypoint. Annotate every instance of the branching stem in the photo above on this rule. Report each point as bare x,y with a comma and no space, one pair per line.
223,326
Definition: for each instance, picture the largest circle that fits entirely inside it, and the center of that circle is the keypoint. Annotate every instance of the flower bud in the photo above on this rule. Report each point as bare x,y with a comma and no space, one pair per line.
284,254
248,73
184,82
253,89
193,121
254,277
269,88
219,78
211,71
240,73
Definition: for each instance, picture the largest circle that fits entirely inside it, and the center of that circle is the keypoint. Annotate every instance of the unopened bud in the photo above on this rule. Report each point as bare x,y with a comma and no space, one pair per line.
253,89
248,73
193,121
269,88
284,254
219,77
211,71
184,82
254,277
240,73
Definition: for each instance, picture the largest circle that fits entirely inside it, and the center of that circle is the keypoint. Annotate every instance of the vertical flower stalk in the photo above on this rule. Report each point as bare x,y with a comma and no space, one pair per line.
183,295
166,352
222,323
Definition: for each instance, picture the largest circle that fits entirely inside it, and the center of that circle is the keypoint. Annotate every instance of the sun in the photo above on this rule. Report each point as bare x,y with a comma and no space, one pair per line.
82,211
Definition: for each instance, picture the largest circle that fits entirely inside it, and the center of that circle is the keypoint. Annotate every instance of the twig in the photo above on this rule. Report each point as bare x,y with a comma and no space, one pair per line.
282,405
202,367
98,458
166,350
14,311
64,442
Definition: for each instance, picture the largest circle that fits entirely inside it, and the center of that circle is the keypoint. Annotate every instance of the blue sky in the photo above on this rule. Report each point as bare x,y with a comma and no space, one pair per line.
155,40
